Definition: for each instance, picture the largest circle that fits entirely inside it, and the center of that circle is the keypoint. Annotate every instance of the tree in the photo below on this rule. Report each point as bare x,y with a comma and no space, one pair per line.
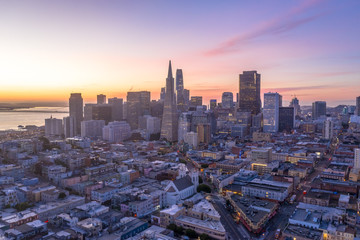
45,142
172,227
204,237
204,165
191,233
62,195
203,188
200,180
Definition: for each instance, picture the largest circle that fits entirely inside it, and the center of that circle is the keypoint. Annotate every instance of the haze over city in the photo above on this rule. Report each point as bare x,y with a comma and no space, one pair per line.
52,48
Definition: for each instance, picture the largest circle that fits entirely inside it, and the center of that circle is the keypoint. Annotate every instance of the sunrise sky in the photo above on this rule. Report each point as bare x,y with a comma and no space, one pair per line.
49,49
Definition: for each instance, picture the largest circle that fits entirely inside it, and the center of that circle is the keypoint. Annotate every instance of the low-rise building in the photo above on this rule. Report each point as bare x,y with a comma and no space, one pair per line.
253,213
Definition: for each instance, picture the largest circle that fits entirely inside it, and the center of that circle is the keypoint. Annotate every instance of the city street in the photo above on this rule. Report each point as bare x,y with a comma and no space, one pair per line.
228,222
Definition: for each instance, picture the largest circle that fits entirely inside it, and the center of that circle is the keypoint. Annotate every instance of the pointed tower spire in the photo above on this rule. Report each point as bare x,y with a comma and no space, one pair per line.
170,70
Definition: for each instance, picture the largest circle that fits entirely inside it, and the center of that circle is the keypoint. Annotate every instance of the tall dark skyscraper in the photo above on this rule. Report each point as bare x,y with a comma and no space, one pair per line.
318,109
357,111
76,110
180,100
249,92
138,104
169,126
102,112
286,118
227,100
101,99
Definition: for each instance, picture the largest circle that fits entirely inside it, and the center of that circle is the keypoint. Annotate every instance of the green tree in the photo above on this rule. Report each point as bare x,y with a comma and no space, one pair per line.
191,233
203,188
200,180
204,237
204,165
62,195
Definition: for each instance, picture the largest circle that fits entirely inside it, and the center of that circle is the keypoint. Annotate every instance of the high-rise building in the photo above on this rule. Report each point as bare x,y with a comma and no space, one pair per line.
116,131
180,100
92,128
117,108
191,138
295,104
151,125
169,127
184,125
272,103
213,104
357,158
357,111
227,100
286,119
186,94
88,111
204,133
328,129
138,104
249,92
101,99
102,112
76,110
318,109
196,101
53,127
243,119
69,126
156,108
162,94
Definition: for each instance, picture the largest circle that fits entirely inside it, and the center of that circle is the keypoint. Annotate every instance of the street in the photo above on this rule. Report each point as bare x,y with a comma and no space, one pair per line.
228,222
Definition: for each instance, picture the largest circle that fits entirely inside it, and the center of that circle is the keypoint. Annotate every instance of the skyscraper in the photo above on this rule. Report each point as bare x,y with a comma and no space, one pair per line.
318,109
117,108
227,100
286,118
138,104
213,104
101,99
357,111
76,110
169,127
196,101
180,100
272,103
162,94
186,94
102,112
69,126
328,129
249,92
295,104
53,127
184,125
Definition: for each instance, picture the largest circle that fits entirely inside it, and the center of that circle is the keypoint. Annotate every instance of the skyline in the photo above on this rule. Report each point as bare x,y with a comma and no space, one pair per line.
52,49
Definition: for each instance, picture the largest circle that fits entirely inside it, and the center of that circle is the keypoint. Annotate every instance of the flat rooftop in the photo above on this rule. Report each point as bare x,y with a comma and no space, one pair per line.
209,224
254,209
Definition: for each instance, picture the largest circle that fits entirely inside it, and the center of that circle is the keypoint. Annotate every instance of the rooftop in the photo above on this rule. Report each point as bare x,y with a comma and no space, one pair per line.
209,224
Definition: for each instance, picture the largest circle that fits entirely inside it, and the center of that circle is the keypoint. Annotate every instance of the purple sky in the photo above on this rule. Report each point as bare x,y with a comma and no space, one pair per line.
306,48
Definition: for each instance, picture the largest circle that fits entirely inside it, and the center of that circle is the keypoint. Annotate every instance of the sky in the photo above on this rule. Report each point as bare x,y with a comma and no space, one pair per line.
49,49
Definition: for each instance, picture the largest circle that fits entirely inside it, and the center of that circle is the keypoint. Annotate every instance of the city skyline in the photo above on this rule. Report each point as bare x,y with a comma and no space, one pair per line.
307,49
